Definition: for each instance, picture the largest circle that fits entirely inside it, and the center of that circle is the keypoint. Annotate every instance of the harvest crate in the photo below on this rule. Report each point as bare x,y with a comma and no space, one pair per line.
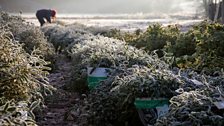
95,75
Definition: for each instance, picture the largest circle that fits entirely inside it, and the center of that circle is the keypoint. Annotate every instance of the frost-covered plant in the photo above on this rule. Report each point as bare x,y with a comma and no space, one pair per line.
22,75
29,35
112,101
23,80
33,38
20,113
13,22
63,36
107,52
195,108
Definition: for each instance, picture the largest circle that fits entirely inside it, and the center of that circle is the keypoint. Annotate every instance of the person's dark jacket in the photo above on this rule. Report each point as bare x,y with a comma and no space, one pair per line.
44,13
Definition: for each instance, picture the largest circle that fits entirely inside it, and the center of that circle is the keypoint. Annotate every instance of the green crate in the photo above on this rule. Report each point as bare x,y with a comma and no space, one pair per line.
94,81
99,74
150,103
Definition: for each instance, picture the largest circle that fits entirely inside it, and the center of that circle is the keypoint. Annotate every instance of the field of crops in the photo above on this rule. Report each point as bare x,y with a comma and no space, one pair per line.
159,63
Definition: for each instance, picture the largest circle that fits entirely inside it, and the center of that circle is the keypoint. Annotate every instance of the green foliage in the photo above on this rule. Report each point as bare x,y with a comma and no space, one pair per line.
184,45
156,37
200,48
209,54
125,36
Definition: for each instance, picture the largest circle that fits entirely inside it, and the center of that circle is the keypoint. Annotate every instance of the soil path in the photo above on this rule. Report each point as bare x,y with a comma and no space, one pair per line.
58,105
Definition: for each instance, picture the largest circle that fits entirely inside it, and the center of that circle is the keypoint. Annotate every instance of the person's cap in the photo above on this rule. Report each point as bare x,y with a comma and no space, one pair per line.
53,13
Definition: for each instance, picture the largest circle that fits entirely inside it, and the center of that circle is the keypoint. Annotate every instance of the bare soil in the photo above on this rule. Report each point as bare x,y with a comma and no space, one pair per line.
59,104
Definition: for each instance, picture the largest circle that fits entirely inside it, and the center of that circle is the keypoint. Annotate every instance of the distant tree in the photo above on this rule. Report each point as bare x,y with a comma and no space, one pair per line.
213,9
206,5
222,10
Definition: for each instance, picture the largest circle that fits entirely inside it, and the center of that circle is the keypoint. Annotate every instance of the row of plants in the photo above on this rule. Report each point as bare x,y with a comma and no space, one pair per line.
23,72
61,36
200,48
196,107
136,74
30,36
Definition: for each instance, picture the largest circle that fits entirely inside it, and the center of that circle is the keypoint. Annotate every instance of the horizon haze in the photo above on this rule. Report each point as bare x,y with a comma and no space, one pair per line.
101,6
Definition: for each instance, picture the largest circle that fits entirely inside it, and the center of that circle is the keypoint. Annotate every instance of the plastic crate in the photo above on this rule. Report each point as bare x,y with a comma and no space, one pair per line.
98,74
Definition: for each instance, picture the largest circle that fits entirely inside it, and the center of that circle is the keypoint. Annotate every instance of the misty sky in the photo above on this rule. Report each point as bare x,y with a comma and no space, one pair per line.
99,6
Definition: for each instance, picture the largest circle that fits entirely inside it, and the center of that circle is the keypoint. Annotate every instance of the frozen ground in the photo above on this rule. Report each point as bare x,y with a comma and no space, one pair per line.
124,22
